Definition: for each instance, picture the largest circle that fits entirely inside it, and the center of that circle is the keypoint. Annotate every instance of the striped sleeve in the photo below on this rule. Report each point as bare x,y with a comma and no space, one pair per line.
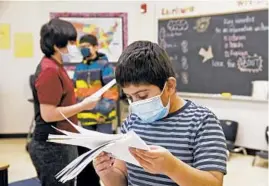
124,125
210,152
127,123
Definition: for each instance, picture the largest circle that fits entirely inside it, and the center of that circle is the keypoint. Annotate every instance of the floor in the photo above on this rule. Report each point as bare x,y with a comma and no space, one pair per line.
240,170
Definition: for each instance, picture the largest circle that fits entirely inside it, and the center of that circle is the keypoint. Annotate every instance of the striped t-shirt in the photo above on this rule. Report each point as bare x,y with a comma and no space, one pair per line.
193,134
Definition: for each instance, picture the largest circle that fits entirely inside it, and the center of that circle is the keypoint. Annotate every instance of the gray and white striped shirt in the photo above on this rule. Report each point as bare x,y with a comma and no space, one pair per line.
193,134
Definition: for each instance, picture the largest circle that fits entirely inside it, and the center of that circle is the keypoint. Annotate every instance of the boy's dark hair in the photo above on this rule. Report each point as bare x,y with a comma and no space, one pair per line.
144,62
89,39
56,32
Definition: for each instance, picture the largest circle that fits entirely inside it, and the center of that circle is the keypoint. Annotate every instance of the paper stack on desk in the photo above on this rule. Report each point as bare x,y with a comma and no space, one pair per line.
116,144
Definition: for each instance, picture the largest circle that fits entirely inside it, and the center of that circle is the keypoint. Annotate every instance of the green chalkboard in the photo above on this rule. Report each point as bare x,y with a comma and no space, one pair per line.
217,53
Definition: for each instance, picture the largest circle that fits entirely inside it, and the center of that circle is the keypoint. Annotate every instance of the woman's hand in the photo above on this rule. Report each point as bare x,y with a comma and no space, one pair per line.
89,103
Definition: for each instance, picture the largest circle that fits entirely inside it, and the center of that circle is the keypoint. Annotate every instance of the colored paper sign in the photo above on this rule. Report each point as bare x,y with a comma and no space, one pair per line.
23,45
4,36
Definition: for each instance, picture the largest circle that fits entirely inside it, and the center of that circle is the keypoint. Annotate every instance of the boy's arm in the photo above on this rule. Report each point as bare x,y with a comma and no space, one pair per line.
108,74
210,157
108,102
209,163
185,175
80,85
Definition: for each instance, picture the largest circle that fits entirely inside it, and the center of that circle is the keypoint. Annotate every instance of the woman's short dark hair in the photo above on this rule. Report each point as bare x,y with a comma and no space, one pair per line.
56,32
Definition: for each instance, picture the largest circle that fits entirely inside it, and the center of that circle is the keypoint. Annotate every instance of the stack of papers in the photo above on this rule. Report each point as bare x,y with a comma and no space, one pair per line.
116,144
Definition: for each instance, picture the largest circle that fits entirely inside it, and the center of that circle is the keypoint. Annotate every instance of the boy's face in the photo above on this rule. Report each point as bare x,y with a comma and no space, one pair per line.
144,91
93,49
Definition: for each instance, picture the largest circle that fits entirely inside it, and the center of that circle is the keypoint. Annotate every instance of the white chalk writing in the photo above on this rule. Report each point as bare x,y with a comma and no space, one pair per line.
173,58
177,25
236,45
251,64
225,30
231,64
162,33
184,46
261,27
184,63
247,19
228,21
238,53
163,44
217,30
235,53
169,45
184,77
235,38
245,28
217,63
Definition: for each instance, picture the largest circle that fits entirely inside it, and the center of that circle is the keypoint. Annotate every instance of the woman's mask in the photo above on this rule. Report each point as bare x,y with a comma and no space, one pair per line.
73,55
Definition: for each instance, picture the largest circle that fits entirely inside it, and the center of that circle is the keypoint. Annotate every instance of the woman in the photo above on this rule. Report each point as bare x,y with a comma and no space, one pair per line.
53,93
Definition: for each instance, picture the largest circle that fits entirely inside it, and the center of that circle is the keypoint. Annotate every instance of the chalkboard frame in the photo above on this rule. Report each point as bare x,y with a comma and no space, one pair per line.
213,95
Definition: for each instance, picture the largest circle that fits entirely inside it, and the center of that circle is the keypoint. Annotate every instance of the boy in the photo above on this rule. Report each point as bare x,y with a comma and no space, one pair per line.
90,75
187,144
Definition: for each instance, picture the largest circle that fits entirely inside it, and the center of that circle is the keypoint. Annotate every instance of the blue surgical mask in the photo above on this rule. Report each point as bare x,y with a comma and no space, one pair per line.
86,52
73,55
150,110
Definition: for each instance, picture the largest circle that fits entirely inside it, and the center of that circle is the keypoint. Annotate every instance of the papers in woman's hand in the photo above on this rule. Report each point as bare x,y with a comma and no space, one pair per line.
98,94
116,144
105,88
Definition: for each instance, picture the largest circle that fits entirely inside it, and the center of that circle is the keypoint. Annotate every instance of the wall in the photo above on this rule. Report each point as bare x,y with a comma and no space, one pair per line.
16,113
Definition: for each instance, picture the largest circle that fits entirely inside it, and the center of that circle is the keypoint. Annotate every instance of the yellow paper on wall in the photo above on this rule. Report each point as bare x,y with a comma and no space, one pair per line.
23,45
4,36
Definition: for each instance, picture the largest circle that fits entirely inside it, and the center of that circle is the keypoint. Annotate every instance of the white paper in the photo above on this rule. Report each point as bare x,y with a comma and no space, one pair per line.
116,144
97,95
105,88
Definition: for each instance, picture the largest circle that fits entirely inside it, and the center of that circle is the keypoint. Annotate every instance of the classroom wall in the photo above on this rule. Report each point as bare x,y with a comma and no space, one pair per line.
16,112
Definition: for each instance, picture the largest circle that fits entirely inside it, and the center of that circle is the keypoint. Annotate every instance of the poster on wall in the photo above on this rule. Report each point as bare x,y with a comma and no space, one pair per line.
23,45
4,36
109,28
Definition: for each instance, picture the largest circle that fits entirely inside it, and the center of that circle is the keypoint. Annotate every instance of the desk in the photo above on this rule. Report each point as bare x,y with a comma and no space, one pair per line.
4,174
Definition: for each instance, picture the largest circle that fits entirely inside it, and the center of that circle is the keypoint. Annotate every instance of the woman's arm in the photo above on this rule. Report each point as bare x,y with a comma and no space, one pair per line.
49,93
51,113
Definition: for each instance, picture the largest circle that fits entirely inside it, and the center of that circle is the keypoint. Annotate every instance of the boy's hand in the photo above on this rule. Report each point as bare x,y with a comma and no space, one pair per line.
101,120
103,164
157,160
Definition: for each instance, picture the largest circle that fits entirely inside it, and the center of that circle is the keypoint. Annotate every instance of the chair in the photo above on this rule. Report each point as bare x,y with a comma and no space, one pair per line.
262,154
230,131
32,125
4,174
